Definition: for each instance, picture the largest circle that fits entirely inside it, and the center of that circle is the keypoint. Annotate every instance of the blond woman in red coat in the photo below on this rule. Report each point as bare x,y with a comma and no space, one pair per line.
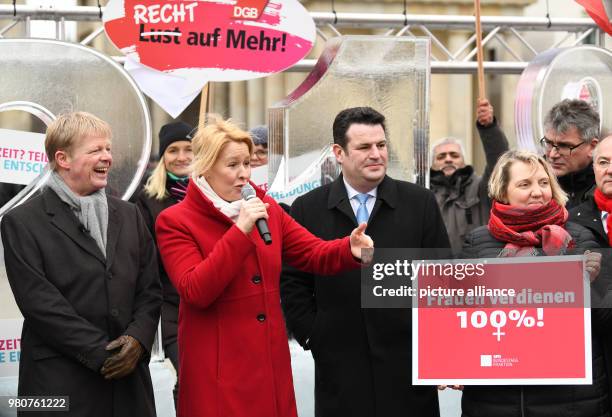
233,352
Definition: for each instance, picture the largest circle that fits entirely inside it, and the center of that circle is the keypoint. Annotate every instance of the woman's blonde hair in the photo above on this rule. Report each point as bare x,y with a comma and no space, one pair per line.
210,140
64,132
156,184
500,177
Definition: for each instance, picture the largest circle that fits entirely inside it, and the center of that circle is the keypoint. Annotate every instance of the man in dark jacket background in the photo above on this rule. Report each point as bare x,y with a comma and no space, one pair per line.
461,193
594,214
362,356
571,131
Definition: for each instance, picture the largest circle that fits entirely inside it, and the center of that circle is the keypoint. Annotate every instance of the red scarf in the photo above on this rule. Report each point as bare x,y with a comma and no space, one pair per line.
525,228
605,204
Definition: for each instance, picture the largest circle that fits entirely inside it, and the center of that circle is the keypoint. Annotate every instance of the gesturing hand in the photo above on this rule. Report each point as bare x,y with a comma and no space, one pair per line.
123,362
251,211
359,240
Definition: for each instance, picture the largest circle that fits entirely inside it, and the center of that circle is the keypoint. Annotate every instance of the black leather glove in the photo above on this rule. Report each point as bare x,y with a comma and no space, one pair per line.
125,360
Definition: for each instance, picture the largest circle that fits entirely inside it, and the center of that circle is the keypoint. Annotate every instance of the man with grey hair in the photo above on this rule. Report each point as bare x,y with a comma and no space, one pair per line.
571,131
595,211
460,192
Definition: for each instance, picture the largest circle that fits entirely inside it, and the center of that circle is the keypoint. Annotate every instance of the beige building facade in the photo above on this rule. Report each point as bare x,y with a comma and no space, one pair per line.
453,97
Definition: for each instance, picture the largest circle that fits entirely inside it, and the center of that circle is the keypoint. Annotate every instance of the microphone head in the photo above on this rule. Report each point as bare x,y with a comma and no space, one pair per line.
248,192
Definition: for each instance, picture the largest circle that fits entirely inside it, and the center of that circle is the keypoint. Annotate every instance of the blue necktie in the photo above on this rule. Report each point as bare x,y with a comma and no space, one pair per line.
362,210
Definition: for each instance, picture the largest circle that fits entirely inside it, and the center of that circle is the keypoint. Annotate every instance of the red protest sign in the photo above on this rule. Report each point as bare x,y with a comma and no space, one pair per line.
215,41
521,322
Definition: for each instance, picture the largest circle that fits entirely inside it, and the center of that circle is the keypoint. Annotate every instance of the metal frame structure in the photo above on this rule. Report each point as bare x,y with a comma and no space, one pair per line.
497,29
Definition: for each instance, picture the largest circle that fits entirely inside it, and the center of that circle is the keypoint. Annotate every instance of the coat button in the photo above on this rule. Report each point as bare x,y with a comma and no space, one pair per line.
261,317
256,279
114,312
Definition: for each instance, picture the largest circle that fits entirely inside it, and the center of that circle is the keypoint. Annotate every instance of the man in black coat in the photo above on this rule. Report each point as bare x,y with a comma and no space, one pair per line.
594,214
362,356
461,194
83,270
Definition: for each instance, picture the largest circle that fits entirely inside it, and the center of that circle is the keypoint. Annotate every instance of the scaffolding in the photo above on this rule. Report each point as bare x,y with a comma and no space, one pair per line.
505,32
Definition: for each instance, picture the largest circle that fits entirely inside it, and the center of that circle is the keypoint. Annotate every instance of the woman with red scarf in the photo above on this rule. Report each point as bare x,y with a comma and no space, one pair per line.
528,218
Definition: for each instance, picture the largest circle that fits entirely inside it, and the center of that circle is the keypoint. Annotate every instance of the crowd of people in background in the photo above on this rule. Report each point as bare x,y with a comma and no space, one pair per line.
165,187
461,193
83,266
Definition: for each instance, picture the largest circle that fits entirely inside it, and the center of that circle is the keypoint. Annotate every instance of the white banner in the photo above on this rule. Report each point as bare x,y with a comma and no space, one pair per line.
22,156
10,346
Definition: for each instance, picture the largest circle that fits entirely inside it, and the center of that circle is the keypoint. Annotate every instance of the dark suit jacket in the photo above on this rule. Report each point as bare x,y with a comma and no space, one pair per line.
75,301
588,215
362,356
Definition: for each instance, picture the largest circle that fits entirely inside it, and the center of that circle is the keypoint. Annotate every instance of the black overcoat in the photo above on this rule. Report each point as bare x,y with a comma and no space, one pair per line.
75,301
588,215
362,356
150,208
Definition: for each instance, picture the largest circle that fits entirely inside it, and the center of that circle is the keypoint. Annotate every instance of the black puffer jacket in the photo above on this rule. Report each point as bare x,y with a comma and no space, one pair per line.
538,401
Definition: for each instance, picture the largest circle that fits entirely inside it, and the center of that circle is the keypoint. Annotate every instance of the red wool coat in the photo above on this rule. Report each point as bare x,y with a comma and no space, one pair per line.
234,356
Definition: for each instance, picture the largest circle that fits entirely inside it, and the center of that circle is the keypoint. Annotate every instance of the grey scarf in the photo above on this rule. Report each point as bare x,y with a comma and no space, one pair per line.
91,210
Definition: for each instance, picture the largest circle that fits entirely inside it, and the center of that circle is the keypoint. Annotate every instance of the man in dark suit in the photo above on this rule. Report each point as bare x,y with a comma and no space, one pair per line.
594,214
82,267
362,355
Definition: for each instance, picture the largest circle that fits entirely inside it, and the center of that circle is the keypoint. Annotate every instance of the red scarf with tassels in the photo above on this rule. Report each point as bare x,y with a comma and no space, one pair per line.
605,204
524,229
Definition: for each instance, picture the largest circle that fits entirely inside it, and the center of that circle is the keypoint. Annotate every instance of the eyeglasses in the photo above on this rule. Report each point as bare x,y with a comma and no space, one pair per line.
562,148
261,153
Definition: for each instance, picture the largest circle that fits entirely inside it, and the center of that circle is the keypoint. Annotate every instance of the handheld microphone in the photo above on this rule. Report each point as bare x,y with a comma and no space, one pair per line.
248,192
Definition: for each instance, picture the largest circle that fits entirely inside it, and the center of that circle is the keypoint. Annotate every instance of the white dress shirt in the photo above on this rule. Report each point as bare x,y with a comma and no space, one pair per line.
352,193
